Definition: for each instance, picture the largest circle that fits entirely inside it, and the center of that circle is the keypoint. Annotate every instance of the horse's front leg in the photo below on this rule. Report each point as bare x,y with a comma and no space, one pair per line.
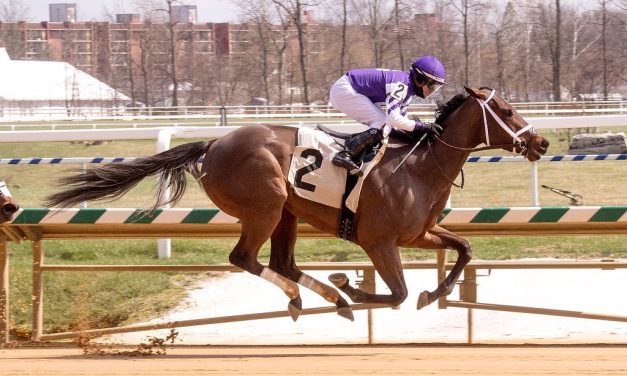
440,238
387,262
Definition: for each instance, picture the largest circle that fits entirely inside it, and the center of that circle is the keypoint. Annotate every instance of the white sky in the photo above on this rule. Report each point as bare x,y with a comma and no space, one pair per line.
89,10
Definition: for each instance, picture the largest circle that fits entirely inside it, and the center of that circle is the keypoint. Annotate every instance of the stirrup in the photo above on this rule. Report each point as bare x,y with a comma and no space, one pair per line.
343,159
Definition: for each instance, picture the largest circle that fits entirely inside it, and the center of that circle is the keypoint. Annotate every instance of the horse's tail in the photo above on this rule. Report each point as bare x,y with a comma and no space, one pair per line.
113,180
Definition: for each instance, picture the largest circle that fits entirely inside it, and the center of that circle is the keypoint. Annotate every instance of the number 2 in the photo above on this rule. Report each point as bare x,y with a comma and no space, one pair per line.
317,163
397,92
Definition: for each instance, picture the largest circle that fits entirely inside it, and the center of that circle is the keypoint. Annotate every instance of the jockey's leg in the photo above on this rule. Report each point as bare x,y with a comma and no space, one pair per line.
282,261
440,238
354,147
359,107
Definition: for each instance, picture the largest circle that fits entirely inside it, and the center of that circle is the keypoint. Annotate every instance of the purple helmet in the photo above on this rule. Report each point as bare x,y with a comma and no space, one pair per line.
430,67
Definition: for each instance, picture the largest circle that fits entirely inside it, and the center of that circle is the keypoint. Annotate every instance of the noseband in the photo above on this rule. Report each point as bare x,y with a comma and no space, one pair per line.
517,141
4,190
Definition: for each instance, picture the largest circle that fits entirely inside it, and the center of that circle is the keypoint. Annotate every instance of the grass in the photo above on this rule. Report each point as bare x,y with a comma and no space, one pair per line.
79,300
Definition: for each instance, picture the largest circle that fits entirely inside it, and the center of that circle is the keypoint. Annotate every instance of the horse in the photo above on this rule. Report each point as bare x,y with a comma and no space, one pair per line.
245,175
8,205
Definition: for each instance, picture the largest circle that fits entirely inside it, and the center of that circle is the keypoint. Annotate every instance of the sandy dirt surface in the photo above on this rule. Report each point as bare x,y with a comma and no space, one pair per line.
326,360
594,291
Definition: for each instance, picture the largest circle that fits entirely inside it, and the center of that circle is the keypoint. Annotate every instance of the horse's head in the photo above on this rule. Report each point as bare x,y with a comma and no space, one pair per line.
8,206
504,126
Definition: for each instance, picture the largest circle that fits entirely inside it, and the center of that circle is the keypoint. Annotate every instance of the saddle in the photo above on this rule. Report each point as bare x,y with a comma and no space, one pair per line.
366,156
397,135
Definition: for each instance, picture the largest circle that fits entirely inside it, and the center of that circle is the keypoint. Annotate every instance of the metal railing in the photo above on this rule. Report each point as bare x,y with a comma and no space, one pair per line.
234,113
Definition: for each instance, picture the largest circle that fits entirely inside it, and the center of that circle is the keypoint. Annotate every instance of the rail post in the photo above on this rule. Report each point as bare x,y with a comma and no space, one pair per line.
535,197
4,292
164,246
223,119
368,284
468,293
38,291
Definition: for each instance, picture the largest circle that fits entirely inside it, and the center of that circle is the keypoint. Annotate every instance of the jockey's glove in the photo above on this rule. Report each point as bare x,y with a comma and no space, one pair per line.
430,128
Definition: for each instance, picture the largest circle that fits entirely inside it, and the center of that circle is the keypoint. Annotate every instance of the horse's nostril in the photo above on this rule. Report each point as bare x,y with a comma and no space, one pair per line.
10,208
545,143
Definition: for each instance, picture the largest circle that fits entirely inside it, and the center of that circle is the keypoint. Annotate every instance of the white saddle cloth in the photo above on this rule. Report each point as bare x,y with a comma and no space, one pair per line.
315,178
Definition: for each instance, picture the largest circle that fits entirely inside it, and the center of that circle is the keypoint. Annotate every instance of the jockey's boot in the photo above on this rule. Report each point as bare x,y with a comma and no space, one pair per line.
354,147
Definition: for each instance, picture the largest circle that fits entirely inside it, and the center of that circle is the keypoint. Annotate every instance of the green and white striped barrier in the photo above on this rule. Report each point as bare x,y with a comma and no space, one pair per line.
574,214
569,214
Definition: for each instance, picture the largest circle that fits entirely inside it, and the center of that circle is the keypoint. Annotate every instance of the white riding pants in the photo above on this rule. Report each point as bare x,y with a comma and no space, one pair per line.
344,98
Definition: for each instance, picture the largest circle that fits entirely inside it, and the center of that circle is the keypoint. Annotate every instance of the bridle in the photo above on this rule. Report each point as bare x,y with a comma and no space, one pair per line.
4,192
517,142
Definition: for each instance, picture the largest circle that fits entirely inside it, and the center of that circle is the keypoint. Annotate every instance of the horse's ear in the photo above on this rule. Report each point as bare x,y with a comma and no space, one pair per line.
475,93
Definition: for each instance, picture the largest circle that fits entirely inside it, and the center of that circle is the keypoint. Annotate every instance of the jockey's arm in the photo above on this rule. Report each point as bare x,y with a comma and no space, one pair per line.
396,108
395,115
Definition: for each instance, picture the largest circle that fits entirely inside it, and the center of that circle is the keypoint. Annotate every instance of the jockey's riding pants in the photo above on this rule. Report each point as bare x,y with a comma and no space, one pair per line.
359,107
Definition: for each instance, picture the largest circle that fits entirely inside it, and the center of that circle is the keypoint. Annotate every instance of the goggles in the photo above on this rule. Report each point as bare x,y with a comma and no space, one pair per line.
426,79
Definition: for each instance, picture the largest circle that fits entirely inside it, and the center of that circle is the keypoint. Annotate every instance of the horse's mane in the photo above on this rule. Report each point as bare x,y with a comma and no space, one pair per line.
444,110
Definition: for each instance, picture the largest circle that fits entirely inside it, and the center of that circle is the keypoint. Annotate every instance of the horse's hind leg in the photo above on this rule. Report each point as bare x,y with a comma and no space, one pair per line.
283,262
244,255
439,238
387,262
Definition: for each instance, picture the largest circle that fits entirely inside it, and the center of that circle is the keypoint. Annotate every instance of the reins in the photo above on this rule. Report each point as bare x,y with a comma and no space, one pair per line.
460,186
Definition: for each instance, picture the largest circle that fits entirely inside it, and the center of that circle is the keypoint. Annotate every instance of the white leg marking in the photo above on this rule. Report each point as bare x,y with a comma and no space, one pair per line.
319,288
290,288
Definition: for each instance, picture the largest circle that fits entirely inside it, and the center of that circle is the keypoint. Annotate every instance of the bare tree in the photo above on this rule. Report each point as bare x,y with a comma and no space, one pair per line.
14,11
603,4
466,8
173,38
376,17
295,10
399,33
557,53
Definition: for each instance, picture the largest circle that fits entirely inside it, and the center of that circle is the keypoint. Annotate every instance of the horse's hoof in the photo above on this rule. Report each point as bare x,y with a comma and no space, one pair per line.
338,279
344,309
423,299
295,307
346,312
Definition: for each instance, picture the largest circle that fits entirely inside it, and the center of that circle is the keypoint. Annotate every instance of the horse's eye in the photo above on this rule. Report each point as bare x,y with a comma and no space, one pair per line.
508,112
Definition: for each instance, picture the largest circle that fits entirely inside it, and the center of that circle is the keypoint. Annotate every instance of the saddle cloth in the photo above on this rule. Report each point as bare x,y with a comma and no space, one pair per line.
315,178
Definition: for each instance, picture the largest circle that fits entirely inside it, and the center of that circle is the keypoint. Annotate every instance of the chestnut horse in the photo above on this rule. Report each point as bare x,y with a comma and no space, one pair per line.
245,174
8,205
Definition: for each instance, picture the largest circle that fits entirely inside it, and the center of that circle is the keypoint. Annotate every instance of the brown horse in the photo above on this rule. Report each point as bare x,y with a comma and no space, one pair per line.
244,174
8,205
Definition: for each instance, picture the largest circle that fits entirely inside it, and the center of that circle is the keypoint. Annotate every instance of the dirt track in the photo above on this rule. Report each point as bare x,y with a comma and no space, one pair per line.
326,360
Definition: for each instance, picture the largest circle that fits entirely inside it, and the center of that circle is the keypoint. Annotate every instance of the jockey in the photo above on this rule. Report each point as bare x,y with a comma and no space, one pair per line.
359,93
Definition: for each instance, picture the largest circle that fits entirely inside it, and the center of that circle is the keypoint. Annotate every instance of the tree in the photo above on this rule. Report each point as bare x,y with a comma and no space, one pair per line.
172,51
376,18
295,10
557,53
14,11
466,8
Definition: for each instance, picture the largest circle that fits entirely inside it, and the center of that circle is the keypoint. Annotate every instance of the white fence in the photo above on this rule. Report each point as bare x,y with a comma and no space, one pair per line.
239,114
